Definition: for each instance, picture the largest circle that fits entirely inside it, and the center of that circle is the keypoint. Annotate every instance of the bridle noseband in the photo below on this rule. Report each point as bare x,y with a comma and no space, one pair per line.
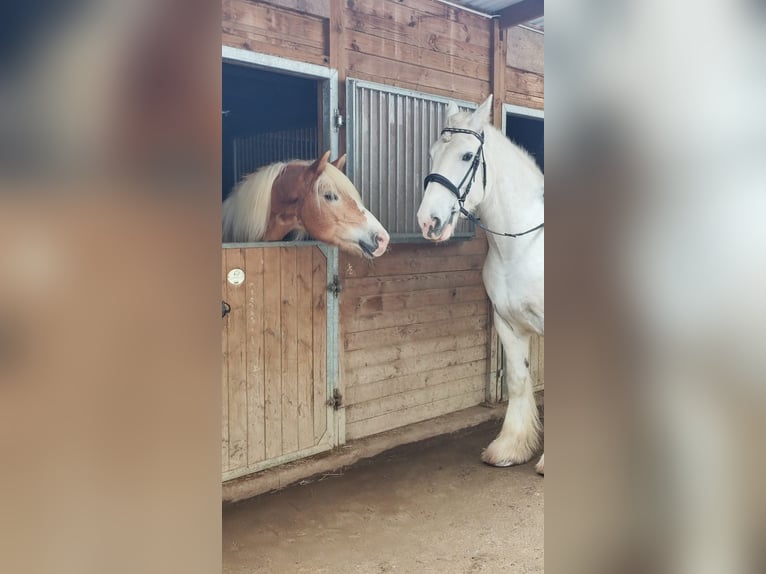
469,177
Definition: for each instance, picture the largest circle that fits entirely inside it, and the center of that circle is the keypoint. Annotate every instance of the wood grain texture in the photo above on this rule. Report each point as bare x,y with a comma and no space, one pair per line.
273,30
526,50
224,372
256,446
319,303
237,366
272,333
413,414
289,321
414,329
305,350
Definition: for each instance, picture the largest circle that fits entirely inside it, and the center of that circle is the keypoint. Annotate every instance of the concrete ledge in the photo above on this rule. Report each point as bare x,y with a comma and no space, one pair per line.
354,451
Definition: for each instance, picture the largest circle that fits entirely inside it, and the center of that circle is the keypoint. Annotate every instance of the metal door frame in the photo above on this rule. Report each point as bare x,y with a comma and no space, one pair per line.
328,78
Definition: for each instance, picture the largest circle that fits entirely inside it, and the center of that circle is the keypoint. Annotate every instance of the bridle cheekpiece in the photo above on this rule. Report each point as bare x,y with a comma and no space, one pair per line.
468,179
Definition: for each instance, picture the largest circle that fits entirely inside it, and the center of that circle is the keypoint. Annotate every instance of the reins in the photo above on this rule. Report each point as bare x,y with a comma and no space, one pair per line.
469,177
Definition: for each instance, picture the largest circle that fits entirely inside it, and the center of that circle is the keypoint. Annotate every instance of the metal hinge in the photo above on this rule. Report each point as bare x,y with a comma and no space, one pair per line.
336,401
335,287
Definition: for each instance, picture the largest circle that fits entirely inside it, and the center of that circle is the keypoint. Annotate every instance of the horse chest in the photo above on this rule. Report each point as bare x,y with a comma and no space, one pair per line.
516,293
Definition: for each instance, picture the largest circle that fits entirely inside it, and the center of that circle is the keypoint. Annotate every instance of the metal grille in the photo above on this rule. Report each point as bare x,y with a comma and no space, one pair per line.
390,131
252,152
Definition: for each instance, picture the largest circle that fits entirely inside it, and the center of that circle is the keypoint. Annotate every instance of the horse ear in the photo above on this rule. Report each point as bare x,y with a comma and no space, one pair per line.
452,109
480,117
319,165
340,163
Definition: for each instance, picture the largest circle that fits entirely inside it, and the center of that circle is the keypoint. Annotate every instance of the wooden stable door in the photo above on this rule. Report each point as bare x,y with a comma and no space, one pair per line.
275,382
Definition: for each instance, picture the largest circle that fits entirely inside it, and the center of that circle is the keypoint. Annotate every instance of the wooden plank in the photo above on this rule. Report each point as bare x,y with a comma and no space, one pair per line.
272,30
237,366
367,304
397,51
365,286
432,313
288,309
535,102
282,48
256,446
393,335
319,320
402,401
224,371
413,348
423,79
275,22
498,73
423,19
522,82
521,12
416,414
412,365
373,391
319,8
337,59
272,345
392,265
526,50
304,308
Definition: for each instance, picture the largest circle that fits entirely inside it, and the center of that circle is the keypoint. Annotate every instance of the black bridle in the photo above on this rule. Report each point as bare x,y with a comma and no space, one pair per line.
469,177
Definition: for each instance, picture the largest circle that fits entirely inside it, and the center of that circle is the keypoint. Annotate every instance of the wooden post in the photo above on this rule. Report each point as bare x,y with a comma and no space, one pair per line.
337,57
497,76
498,72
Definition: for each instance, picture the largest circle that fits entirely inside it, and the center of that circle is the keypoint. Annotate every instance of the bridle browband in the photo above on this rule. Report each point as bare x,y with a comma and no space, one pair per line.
469,177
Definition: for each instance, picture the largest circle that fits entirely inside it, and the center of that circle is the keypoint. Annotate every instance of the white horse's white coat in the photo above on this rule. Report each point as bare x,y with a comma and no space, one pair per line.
511,202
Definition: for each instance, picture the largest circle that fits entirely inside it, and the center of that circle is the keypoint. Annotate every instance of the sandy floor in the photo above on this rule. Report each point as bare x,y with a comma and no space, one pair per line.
428,507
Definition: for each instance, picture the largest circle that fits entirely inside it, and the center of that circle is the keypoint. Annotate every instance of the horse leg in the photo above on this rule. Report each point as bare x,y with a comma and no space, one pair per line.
518,440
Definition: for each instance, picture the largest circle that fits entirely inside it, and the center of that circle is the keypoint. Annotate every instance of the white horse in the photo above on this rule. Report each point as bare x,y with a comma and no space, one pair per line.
477,170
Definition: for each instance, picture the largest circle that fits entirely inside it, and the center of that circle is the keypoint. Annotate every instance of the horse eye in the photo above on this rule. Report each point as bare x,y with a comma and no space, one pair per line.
468,156
330,196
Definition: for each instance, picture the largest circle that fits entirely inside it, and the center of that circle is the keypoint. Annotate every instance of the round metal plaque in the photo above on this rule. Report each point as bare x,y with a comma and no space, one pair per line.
235,276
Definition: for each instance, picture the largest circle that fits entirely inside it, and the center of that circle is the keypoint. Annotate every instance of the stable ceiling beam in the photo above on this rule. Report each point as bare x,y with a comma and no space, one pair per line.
521,12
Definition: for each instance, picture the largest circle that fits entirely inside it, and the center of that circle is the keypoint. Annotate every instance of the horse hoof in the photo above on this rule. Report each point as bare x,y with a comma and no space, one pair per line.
501,453
540,466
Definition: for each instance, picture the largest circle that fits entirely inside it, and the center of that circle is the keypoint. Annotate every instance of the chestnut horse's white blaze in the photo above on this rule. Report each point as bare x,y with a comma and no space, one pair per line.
303,198
510,201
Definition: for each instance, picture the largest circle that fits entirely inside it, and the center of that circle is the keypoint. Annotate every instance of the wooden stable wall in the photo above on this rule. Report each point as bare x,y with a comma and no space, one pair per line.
414,335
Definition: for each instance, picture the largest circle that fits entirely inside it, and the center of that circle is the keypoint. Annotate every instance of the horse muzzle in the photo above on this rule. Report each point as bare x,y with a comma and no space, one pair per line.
376,246
436,228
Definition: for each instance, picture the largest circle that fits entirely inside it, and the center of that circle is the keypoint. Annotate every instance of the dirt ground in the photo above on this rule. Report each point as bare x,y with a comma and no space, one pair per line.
422,508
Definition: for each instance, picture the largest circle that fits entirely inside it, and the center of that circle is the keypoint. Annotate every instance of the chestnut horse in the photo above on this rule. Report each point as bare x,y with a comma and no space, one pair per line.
299,198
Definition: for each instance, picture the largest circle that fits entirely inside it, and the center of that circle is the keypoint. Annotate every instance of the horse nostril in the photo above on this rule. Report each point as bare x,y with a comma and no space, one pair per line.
437,223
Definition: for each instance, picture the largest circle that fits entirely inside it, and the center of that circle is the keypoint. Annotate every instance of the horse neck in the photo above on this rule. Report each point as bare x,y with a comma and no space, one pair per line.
287,195
513,199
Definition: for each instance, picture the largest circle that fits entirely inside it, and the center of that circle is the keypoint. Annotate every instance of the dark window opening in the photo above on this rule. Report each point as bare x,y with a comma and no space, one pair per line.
529,133
268,117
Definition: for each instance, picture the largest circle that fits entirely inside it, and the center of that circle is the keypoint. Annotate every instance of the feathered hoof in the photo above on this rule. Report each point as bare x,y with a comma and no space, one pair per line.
540,466
506,452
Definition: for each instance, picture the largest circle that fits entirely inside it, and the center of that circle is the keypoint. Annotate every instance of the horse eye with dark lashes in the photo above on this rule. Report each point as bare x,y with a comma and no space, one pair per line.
330,196
468,156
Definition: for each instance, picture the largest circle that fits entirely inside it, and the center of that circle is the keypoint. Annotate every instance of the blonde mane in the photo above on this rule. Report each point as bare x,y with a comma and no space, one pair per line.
246,210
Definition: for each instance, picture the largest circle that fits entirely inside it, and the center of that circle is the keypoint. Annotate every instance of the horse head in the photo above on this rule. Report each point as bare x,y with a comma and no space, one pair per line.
330,209
458,177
